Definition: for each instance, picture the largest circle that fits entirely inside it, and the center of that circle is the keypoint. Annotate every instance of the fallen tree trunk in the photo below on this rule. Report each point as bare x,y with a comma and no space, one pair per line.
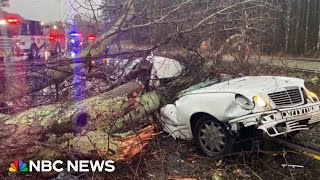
146,104
94,145
27,131
57,118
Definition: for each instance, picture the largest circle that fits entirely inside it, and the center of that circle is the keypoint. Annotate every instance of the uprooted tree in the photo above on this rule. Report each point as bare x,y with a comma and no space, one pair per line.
81,120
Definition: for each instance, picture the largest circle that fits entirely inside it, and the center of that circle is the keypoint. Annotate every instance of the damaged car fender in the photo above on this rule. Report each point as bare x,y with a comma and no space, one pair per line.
179,117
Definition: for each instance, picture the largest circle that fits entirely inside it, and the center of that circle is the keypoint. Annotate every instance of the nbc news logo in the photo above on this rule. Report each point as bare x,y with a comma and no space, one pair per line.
59,166
18,166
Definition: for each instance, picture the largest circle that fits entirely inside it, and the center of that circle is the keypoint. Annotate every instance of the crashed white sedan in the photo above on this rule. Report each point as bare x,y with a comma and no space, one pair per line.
212,114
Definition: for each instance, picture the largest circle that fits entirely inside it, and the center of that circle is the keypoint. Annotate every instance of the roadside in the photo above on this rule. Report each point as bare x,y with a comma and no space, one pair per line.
297,63
311,64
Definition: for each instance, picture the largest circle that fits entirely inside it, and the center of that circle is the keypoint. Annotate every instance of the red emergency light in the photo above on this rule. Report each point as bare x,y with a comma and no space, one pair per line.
92,37
12,20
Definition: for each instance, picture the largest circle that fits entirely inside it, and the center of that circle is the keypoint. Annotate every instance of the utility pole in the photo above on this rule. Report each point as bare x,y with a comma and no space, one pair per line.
59,10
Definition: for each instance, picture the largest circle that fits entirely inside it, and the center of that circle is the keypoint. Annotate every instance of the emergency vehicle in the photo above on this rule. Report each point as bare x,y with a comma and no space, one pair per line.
75,41
22,37
56,38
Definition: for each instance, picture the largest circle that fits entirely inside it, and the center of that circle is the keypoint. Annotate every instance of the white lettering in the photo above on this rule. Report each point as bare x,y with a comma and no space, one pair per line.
74,166
46,166
55,166
84,166
96,165
34,166
110,167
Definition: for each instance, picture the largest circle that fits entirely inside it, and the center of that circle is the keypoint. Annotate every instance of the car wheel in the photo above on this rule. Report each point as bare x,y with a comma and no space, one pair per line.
212,136
34,52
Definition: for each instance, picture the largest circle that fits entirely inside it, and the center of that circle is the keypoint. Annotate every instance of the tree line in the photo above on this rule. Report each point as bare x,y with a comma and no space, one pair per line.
271,26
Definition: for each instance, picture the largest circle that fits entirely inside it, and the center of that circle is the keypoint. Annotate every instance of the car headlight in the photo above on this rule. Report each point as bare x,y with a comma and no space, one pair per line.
260,101
73,41
311,95
244,102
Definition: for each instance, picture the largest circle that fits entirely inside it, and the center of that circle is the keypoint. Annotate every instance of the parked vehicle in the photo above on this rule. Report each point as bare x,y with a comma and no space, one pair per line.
91,39
214,113
75,42
153,69
23,37
57,39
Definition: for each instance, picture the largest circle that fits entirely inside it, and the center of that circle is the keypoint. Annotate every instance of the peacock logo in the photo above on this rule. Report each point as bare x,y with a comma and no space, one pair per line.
18,166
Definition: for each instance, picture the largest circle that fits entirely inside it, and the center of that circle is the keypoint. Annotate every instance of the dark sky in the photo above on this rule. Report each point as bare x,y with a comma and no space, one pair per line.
45,10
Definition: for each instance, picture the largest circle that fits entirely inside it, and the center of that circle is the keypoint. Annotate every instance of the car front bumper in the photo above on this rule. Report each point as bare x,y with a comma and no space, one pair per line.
282,121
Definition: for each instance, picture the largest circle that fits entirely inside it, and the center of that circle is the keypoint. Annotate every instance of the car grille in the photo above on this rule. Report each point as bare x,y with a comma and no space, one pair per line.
285,98
5,45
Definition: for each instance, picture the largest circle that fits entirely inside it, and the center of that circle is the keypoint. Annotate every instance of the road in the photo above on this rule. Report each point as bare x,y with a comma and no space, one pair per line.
25,58
307,64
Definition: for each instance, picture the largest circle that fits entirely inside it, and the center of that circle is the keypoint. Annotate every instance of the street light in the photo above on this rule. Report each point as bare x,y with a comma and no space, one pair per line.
3,22
60,10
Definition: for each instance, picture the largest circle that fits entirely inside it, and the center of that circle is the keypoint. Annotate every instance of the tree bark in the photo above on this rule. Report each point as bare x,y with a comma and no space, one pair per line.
25,133
94,145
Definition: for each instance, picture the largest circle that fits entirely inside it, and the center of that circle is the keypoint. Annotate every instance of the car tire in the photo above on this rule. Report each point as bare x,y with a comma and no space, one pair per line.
212,137
34,52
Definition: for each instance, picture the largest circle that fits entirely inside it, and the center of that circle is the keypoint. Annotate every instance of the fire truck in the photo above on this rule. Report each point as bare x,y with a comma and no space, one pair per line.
56,38
20,37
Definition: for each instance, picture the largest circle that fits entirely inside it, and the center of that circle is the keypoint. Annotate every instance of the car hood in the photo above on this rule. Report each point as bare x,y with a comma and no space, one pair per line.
251,83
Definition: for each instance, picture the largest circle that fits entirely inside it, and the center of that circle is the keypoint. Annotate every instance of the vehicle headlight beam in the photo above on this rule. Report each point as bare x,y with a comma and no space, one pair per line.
260,101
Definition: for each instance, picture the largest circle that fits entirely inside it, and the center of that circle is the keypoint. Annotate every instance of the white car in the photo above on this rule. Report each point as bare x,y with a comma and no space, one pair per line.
214,113
161,68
